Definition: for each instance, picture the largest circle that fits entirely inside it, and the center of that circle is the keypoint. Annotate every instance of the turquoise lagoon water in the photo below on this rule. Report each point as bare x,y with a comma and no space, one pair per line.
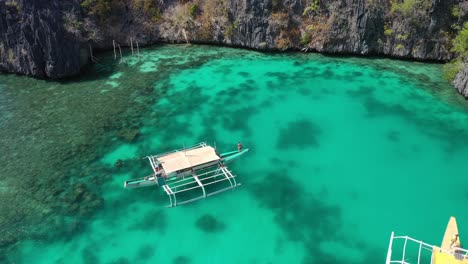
343,152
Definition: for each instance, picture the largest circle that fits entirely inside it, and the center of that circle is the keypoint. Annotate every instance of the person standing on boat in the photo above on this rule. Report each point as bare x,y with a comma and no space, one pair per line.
455,242
239,146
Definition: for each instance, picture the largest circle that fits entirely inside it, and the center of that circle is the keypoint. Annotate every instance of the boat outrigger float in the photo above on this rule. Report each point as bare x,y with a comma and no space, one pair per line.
198,167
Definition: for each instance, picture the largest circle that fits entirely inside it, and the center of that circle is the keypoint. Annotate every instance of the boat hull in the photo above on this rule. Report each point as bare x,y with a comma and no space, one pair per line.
141,182
228,157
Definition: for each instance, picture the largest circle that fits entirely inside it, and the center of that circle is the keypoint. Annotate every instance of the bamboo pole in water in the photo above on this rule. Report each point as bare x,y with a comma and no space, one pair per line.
185,36
115,54
138,50
121,59
91,53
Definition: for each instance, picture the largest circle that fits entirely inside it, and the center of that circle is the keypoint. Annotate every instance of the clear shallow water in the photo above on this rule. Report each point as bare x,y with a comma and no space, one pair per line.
343,151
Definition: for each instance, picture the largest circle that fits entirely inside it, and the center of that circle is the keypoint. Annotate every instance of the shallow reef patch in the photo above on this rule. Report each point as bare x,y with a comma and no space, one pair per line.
299,134
209,224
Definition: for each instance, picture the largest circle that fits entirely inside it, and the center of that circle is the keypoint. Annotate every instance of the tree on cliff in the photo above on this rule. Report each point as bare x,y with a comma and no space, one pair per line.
181,19
460,45
84,31
93,35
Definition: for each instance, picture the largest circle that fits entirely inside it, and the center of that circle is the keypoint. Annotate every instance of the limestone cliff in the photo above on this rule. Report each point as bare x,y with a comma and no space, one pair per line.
461,81
33,40
38,39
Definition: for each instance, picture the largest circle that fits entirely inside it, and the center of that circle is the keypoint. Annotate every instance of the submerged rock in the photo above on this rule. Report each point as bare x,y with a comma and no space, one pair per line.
129,134
118,163
461,81
181,260
84,202
209,224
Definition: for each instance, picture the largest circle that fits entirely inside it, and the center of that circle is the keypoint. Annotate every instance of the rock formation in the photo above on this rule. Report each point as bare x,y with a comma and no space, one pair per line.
36,40
461,81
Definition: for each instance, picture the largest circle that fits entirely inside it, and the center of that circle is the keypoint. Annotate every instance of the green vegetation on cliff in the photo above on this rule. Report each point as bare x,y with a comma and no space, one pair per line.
460,43
460,46
410,7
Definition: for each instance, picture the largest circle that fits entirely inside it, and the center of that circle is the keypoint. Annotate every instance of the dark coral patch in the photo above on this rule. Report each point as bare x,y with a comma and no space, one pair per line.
299,134
304,91
304,218
363,91
357,73
376,108
89,255
281,76
393,136
146,252
152,220
209,224
238,120
121,260
328,74
244,74
181,260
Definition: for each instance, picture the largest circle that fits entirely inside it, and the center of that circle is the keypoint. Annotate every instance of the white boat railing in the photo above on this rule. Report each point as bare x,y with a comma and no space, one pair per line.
463,253
199,180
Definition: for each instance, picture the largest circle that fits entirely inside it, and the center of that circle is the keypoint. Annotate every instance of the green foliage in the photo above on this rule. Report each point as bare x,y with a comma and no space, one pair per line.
399,47
460,43
192,10
11,56
100,8
374,5
13,3
86,3
409,7
380,43
311,28
451,69
149,9
395,6
229,33
72,24
388,31
456,11
402,36
276,4
313,7
305,39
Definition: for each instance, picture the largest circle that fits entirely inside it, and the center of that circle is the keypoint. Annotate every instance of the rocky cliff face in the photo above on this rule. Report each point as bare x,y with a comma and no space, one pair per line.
34,41
461,81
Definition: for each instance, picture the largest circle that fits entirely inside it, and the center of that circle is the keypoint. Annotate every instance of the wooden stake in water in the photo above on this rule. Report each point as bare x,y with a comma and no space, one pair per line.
131,45
138,50
115,54
121,59
185,36
93,59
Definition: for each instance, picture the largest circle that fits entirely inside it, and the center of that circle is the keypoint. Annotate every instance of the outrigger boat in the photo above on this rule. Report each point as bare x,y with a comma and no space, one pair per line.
188,169
449,252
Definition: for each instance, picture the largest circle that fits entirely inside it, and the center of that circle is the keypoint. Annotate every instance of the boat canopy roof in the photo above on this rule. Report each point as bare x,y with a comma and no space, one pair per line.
185,159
